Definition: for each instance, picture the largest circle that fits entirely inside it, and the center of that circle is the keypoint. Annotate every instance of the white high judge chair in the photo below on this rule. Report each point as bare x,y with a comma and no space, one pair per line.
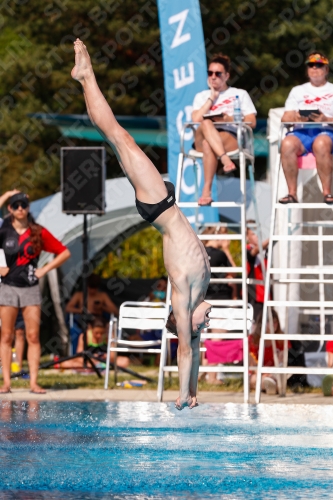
136,316
284,266
238,310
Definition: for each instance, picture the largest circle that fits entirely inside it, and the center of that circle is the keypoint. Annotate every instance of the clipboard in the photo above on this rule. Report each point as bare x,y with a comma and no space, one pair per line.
214,118
3,262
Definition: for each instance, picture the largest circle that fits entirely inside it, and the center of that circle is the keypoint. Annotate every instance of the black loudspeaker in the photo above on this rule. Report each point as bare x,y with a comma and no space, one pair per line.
83,180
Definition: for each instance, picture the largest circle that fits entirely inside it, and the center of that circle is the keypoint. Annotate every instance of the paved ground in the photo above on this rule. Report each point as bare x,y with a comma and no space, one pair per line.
150,395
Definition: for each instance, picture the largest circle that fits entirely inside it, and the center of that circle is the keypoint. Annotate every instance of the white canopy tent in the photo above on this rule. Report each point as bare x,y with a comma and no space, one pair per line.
107,232
120,220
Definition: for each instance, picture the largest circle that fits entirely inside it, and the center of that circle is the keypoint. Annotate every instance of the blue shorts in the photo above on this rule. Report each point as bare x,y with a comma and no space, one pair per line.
308,135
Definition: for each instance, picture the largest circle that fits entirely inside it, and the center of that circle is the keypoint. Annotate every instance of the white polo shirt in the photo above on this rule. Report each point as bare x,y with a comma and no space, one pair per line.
307,96
225,102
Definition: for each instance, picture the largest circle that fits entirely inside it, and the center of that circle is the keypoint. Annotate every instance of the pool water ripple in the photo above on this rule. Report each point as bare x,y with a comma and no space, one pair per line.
143,451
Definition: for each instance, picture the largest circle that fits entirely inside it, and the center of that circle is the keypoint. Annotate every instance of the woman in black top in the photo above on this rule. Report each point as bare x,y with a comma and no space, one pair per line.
22,241
219,256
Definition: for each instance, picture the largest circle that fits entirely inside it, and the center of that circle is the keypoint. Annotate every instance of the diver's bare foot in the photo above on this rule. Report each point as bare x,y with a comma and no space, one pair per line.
181,405
194,402
191,402
82,69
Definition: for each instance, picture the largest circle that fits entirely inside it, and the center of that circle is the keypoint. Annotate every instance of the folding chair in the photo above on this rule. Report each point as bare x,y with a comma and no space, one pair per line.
232,324
141,316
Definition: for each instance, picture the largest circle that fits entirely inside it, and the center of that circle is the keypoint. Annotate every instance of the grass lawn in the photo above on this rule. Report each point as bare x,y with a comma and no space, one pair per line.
62,380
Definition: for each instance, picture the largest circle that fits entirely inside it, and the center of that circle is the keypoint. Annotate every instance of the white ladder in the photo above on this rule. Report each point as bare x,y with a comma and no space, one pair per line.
242,154
283,276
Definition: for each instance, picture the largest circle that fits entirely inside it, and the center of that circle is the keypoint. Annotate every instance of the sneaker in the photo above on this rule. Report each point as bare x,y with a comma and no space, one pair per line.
270,386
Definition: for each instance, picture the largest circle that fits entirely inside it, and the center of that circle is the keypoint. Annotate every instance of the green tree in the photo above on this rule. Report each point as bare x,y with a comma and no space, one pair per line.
140,256
266,40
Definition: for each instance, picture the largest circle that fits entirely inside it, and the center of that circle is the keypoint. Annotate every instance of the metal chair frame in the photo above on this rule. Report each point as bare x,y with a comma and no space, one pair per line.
137,316
320,306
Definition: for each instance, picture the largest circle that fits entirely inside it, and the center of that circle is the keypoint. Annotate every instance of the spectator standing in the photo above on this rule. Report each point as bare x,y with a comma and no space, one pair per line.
219,256
4,198
22,240
315,95
218,103
19,334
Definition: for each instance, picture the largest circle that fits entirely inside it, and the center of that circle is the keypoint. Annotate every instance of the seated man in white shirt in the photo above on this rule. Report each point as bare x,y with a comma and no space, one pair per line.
310,102
218,102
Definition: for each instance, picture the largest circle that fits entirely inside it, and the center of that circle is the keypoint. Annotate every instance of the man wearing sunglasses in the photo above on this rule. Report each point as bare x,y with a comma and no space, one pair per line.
310,102
217,105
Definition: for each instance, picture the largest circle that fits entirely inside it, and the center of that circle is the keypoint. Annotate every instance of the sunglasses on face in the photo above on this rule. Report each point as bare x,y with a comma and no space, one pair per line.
17,204
316,65
216,73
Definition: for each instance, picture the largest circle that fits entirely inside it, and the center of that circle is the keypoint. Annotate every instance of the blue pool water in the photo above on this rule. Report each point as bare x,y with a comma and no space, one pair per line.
143,451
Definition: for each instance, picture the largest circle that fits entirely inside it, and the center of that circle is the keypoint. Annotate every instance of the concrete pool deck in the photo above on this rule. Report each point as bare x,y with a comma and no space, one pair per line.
150,396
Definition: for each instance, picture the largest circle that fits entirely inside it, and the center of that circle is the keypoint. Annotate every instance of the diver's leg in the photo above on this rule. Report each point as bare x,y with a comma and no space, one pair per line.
143,175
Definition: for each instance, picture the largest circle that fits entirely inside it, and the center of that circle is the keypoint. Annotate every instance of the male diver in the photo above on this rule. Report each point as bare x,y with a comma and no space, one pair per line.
185,258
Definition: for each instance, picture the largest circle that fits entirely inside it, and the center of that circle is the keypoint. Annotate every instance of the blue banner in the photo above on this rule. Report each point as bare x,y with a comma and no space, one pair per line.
185,74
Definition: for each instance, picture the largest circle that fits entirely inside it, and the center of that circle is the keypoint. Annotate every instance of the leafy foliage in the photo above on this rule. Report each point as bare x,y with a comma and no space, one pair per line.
267,42
140,256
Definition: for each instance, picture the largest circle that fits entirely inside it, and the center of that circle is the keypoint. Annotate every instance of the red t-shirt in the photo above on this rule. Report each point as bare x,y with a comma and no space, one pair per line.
268,354
254,271
329,346
20,256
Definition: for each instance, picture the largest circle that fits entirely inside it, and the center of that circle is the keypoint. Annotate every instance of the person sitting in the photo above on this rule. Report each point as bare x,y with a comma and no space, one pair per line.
218,103
219,256
268,381
158,291
256,292
309,102
157,294
97,338
98,304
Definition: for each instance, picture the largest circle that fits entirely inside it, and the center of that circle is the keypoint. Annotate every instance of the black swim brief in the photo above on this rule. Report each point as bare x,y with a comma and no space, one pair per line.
150,211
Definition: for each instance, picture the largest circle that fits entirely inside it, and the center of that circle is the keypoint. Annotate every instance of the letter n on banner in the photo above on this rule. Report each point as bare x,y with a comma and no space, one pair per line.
185,74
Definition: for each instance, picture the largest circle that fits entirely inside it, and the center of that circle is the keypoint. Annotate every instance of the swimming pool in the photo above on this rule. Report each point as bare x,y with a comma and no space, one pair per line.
99,450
